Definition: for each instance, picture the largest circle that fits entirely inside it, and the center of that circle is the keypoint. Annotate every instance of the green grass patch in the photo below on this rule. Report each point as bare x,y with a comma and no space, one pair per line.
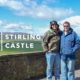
37,47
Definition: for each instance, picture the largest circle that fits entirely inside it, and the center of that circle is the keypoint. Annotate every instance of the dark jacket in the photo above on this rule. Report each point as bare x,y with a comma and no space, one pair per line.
51,41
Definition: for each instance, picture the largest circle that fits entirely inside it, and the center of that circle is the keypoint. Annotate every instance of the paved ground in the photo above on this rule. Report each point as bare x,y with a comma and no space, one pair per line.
77,74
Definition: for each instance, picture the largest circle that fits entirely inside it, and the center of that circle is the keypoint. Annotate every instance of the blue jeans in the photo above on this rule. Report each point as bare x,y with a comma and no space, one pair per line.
67,69
53,58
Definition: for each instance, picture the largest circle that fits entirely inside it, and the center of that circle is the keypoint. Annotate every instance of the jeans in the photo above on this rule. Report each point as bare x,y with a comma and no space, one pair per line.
53,58
67,69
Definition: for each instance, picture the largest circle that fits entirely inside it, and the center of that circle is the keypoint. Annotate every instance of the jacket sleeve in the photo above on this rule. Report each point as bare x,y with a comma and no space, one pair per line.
76,43
45,42
61,33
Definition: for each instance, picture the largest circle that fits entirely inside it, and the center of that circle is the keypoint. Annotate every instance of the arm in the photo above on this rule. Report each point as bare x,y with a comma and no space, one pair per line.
76,43
45,42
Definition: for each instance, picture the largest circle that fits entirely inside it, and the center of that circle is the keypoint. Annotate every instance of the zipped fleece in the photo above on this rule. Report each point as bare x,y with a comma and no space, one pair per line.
51,41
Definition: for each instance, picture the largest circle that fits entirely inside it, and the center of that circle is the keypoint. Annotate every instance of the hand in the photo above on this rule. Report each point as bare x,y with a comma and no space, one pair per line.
45,51
49,51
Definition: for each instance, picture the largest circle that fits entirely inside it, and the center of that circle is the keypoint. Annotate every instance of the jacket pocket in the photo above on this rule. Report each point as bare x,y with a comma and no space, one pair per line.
69,51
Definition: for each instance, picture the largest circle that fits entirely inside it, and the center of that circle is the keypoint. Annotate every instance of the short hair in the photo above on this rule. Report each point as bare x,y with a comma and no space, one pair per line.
66,22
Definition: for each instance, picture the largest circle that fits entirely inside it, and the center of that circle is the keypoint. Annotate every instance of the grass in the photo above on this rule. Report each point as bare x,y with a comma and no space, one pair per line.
8,51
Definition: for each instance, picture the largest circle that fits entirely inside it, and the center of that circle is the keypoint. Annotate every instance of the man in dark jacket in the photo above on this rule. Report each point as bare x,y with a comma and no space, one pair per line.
51,45
69,45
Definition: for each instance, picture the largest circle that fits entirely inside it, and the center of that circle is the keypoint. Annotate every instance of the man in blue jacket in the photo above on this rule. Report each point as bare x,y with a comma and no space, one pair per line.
69,45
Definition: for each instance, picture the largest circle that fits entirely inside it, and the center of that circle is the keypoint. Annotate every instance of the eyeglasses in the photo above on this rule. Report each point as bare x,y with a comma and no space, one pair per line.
66,26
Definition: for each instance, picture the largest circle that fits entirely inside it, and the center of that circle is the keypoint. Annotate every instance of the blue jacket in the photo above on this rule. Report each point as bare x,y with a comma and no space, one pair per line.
69,43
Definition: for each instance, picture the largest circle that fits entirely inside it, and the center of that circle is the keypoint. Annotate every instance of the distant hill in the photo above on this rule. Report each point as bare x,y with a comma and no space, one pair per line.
19,43
17,34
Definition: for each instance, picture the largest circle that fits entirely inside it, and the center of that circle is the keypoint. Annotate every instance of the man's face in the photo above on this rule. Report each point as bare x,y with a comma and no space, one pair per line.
66,27
54,27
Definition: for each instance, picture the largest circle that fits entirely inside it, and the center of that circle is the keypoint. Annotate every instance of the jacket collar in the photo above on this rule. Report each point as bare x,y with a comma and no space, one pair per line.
69,32
53,31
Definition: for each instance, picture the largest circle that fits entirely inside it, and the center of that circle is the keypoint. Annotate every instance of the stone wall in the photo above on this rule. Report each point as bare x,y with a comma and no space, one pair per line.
24,66
78,59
